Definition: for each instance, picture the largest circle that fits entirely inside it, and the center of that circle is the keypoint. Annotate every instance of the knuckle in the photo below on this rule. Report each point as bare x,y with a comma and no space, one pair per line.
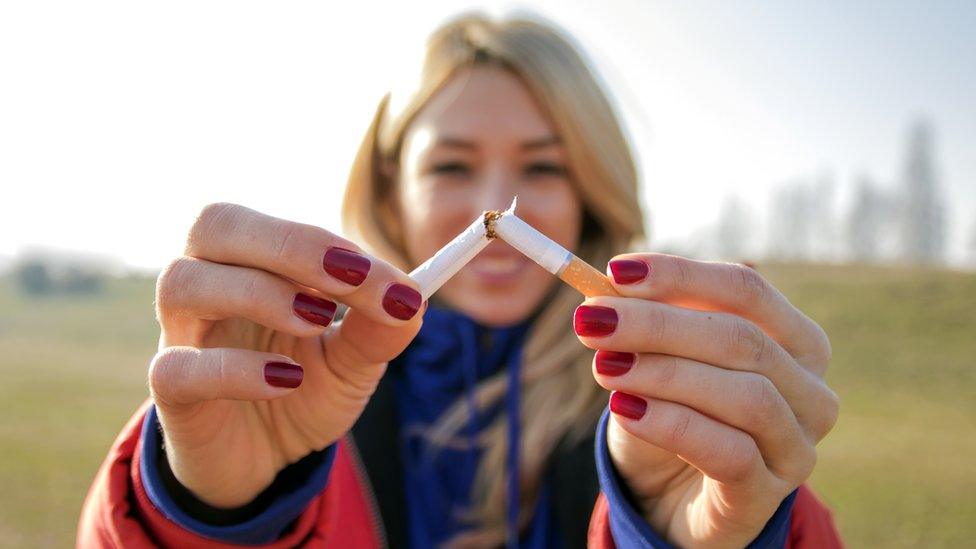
285,242
682,275
829,413
740,462
222,368
212,218
676,427
805,464
800,465
665,371
655,323
165,369
824,347
253,289
762,401
748,341
173,280
750,284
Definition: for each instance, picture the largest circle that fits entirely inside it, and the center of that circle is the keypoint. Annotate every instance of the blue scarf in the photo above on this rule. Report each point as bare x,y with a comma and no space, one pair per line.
448,358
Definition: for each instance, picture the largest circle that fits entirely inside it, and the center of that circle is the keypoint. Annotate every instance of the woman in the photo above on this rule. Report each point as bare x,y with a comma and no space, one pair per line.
270,424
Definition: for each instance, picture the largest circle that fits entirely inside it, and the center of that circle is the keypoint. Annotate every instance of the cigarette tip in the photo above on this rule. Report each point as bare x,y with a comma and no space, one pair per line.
511,209
491,216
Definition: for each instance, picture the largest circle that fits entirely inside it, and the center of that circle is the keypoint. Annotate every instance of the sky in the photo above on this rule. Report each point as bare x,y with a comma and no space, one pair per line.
120,120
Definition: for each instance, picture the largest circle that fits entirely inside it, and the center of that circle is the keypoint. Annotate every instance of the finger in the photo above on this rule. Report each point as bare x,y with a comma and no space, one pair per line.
744,400
719,451
641,326
356,354
358,344
308,255
199,289
728,287
721,339
180,376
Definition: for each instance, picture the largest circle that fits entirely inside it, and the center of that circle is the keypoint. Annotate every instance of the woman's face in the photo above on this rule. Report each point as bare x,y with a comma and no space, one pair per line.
478,142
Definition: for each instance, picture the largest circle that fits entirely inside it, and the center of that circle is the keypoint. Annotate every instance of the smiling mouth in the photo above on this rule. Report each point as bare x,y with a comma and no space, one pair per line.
498,265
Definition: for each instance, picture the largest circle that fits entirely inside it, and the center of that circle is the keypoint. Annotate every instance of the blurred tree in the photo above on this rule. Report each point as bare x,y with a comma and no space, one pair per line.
923,222
33,278
734,229
39,274
864,222
80,281
972,244
823,226
790,224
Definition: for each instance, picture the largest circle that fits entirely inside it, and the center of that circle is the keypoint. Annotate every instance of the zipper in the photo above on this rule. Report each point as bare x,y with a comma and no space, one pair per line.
374,511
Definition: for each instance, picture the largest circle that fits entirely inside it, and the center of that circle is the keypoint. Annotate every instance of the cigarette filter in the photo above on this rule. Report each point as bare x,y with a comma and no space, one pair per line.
444,264
550,255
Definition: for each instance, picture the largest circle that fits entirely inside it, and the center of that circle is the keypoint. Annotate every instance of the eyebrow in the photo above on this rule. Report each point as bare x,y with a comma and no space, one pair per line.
455,142
460,143
541,142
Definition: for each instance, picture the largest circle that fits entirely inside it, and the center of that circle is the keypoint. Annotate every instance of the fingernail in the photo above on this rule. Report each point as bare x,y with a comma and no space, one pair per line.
594,321
401,301
283,374
346,265
628,406
629,271
614,363
313,309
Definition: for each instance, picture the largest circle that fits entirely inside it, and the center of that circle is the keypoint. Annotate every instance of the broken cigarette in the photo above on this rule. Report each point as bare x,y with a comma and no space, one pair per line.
551,256
444,264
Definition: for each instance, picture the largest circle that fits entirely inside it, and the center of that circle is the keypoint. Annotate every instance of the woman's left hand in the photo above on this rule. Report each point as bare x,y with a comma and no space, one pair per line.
719,394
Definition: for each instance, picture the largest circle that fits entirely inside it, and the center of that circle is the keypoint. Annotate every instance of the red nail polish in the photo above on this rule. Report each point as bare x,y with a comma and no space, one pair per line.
629,271
313,309
613,363
346,265
283,374
628,406
401,301
594,321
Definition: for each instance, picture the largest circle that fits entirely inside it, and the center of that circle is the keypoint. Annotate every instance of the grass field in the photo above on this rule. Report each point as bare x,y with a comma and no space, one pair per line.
898,470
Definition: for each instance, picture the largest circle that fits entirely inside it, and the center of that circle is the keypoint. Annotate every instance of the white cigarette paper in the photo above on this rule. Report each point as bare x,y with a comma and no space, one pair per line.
444,264
535,245
551,256
520,235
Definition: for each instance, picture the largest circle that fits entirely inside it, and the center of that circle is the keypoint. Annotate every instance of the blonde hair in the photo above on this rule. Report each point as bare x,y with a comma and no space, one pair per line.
560,400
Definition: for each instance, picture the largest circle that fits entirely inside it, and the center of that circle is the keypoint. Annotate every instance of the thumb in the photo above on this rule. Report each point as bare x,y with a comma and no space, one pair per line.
180,376
358,349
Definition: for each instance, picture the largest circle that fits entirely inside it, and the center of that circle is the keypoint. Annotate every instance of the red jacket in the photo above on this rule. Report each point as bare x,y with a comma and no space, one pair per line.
118,513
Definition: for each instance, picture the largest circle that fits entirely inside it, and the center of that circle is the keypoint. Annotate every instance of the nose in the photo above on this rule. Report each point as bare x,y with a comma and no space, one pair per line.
497,190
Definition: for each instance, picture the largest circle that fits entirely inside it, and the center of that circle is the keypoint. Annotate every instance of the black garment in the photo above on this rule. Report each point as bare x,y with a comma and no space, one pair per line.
573,478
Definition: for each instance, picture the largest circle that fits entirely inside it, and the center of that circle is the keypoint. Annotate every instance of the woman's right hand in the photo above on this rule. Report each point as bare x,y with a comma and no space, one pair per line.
234,405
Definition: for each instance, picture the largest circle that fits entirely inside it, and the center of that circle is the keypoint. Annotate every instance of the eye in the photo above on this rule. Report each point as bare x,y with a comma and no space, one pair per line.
544,169
453,168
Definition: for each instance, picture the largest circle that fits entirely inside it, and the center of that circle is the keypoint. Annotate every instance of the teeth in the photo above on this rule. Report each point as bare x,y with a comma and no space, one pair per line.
497,265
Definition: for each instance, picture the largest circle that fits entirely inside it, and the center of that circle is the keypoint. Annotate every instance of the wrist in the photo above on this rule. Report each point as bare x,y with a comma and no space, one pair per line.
215,480
224,462
263,520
